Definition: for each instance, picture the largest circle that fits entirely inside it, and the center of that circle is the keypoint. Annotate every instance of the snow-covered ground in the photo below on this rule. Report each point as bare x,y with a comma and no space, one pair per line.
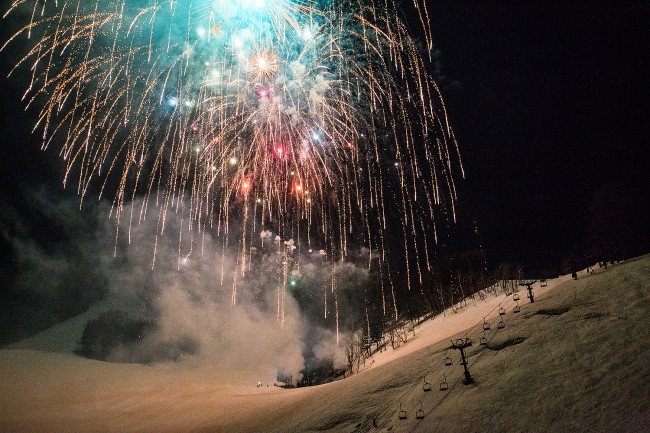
575,360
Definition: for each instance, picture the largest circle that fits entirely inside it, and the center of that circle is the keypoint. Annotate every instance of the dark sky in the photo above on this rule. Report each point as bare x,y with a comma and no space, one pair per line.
552,105
549,102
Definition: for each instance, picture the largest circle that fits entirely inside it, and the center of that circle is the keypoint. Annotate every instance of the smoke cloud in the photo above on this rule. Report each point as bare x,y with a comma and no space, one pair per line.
274,325
187,295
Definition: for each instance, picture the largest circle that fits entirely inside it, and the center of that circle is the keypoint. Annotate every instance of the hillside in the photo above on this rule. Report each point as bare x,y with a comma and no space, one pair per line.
575,360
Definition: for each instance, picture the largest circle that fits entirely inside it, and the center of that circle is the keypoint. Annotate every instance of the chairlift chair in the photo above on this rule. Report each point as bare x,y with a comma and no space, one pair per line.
501,324
426,386
402,413
419,414
502,311
486,325
516,309
484,340
444,386
515,297
543,283
448,361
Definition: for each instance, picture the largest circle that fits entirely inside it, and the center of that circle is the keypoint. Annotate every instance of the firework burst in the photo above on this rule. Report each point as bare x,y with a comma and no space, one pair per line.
316,120
262,65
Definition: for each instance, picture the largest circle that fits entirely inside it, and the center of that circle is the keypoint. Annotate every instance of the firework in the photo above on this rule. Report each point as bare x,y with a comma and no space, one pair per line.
315,120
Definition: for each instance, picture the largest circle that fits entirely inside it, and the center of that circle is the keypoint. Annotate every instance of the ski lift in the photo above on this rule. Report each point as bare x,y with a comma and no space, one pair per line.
486,325
502,311
419,414
448,361
444,386
501,324
426,386
516,308
515,297
402,413
543,282
484,340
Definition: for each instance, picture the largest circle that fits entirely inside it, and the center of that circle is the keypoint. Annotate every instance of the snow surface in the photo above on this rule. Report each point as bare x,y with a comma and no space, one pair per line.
64,337
575,360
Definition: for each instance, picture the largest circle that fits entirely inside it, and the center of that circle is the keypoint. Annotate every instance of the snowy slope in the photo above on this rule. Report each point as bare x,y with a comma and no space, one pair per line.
63,337
575,360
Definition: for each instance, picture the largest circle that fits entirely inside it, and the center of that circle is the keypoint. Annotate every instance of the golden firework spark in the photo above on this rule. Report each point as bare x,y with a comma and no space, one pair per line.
315,120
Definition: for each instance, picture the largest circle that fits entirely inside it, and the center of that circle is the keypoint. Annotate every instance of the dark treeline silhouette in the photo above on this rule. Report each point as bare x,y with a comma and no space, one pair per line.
618,229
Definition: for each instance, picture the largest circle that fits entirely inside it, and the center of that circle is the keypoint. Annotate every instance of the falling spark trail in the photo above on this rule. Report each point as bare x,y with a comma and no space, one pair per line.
314,119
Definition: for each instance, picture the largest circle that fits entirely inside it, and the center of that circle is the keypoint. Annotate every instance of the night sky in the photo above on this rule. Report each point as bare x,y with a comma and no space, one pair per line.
549,103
